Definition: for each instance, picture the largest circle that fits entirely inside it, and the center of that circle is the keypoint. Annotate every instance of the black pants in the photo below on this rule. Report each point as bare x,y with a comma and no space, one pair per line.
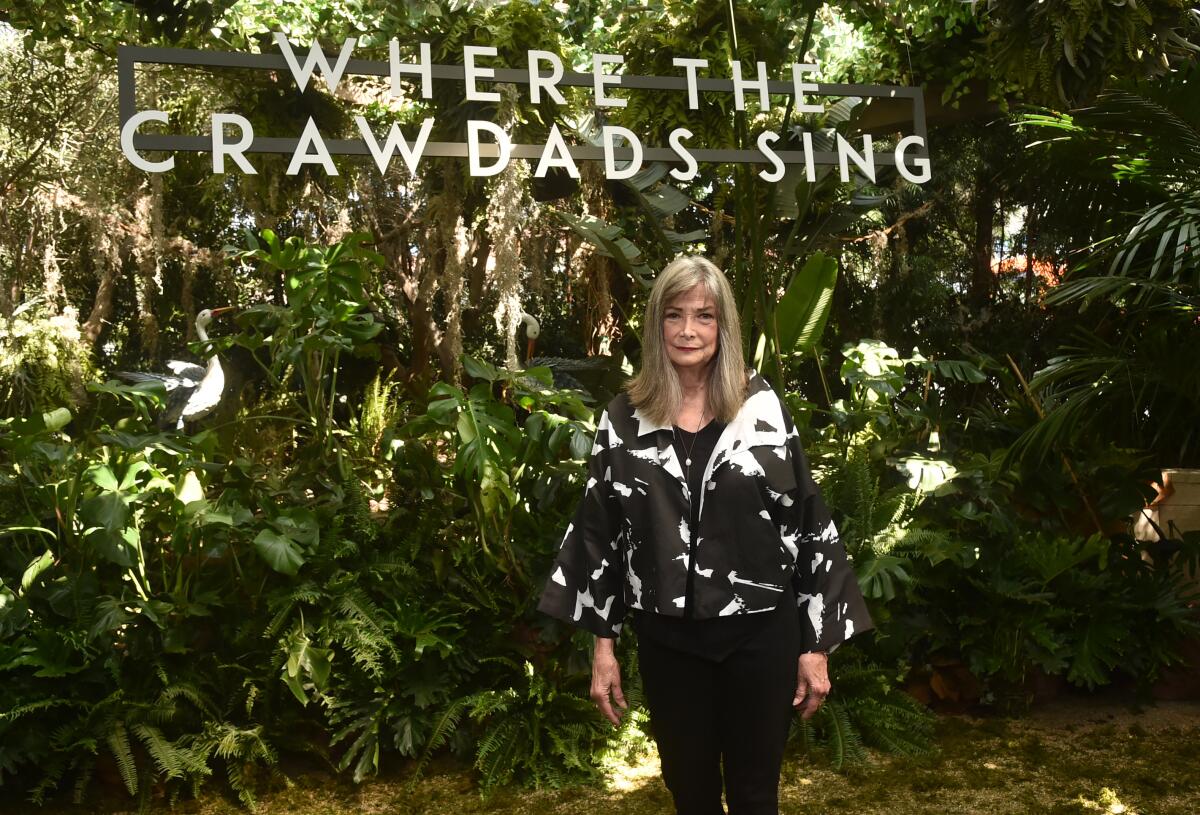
734,712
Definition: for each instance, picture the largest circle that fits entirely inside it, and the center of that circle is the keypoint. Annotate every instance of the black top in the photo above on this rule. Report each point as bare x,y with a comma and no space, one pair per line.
717,637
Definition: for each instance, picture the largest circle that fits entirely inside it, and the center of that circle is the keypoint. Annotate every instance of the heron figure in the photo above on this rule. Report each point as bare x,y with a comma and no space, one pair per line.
193,391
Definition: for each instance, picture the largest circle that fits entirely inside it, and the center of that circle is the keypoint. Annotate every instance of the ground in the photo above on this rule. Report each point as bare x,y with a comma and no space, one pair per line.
1077,755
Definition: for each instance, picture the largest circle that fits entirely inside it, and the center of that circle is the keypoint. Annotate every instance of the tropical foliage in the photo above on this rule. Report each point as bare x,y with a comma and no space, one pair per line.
343,559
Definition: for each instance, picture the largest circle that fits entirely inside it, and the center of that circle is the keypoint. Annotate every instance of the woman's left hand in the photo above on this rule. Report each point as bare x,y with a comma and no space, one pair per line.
812,683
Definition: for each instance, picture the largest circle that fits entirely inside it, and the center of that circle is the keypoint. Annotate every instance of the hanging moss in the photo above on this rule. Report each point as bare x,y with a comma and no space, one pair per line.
506,218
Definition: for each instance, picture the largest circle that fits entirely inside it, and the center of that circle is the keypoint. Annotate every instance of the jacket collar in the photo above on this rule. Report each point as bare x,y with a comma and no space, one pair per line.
758,421
646,425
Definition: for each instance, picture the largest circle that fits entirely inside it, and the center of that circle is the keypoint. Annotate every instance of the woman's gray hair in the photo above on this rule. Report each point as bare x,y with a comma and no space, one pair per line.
655,390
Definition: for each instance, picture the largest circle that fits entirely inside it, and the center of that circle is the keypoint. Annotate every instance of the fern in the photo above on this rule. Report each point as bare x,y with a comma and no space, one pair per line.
83,778
52,773
446,722
188,691
356,605
163,754
496,756
118,743
242,749
44,362
307,593
173,759
19,711
866,710
844,740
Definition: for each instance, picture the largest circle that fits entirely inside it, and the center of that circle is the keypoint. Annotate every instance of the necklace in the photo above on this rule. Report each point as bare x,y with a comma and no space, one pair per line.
688,457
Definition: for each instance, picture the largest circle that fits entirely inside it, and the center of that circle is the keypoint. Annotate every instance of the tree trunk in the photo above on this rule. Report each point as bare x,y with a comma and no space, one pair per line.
982,276
1030,235
107,259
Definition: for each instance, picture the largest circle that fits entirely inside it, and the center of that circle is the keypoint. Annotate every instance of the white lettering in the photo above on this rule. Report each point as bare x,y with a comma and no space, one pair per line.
800,87
311,149
690,65
810,161
740,86
221,148
424,68
504,147
865,160
395,141
472,72
556,154
538,82
316,57
600,79
765,140
607,134
675,139
127,132
922,164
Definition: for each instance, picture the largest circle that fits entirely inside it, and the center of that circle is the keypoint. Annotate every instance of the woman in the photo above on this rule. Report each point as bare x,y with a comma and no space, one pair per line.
701,521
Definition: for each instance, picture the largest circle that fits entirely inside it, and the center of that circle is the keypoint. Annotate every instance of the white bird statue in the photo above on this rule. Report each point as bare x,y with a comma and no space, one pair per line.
533,330
193,391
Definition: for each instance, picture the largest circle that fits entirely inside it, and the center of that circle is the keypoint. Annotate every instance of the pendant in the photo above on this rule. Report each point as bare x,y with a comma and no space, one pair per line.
688,462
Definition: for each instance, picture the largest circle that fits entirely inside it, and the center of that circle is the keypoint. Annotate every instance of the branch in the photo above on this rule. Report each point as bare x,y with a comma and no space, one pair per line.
904,218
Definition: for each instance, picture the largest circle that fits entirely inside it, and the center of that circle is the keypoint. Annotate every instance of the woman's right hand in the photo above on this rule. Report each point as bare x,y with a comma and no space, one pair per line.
606,680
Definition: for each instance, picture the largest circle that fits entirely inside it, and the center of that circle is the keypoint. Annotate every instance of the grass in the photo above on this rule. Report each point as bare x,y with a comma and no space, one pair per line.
1076,756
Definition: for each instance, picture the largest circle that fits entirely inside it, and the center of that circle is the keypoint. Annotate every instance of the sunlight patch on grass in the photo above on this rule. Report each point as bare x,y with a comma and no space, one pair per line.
1107,802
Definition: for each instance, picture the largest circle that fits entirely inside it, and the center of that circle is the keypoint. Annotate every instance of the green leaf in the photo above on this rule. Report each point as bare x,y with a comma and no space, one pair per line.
802,311
295,686
478,369
319,665
103,477
108,510
8,530
56,419
960,369
1097,651
581,444
281,553
300,525
35,568
466,428
189,488
610,242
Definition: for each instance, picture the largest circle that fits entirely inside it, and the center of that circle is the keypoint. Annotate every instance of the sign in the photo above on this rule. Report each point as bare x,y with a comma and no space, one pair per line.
489,148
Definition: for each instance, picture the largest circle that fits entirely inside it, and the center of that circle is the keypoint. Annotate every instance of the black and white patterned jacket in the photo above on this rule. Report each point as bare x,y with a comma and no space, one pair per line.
763,529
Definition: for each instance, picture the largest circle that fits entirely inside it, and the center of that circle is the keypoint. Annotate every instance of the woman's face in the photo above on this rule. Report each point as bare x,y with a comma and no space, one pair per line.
690,329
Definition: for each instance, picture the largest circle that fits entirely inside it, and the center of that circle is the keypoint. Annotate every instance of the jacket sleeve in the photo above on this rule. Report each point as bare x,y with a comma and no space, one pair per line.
586,586
831,605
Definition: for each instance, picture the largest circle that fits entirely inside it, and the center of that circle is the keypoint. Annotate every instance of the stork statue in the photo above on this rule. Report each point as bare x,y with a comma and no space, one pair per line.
560,368
533,330
193,391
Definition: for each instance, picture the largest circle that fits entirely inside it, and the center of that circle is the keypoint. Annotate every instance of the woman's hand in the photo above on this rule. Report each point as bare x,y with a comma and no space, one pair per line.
606,679
812,682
